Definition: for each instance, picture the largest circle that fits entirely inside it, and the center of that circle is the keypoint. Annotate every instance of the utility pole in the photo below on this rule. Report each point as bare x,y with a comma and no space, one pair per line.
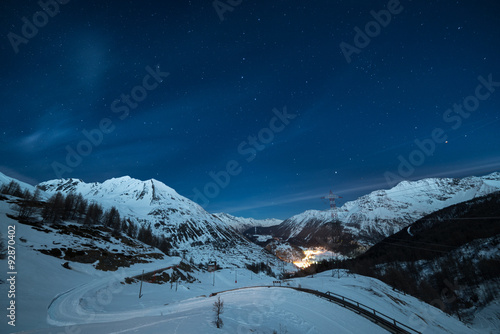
331,197
140,288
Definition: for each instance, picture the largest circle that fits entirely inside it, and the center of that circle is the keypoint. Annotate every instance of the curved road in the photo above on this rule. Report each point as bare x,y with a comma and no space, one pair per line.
380,319
85,304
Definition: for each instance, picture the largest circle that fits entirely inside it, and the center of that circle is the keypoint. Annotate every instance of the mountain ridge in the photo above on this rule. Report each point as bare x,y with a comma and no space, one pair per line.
242,224
381,213
185,224
362,222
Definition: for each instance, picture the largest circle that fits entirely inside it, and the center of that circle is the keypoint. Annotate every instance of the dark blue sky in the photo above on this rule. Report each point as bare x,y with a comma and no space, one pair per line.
349,123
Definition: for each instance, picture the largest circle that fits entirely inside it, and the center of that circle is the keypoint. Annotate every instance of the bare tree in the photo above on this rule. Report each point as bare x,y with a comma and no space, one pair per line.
218,309
54,208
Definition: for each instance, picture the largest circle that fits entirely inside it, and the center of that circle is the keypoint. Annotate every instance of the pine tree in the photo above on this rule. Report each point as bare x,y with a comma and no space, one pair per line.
36,195
93,215
146,235
69,205
131,229
81,207
112,219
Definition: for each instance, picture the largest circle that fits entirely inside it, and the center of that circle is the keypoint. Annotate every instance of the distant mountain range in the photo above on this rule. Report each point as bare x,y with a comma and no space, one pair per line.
242,224
370,218
361,223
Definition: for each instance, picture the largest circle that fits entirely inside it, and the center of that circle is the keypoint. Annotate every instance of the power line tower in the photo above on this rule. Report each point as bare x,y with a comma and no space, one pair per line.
331,198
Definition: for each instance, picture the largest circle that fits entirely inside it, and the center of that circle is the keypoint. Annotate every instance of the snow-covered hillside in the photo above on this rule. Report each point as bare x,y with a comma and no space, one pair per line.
384,212
185,224
4,179
242,224
85,300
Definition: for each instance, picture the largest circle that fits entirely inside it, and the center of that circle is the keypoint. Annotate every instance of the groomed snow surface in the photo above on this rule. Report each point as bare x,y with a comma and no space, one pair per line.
53,299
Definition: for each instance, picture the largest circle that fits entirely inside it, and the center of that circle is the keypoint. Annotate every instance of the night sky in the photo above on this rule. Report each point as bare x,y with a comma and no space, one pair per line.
280,101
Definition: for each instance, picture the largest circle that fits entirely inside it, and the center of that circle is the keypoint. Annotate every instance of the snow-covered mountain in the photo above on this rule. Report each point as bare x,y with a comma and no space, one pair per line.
242,224
185,224
384,212
55,298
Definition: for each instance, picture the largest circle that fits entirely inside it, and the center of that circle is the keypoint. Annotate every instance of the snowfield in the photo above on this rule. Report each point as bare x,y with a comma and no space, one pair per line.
245,311
53,299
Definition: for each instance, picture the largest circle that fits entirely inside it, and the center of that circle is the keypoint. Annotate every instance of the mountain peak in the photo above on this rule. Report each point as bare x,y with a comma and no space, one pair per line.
383,212
123,189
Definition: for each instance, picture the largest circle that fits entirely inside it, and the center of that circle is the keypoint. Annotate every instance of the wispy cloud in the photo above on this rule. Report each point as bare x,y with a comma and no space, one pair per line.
43,139
478,168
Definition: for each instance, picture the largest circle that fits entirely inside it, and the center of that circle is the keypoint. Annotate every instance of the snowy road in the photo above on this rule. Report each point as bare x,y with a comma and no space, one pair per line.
86,303
246,311
106,306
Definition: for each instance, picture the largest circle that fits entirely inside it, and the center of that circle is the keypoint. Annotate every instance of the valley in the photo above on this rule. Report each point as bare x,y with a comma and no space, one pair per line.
77,275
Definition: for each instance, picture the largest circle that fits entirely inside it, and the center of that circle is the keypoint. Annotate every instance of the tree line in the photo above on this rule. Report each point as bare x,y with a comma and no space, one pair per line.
74,207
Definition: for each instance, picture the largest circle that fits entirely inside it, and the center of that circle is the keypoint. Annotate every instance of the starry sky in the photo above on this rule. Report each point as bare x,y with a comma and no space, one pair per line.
255,108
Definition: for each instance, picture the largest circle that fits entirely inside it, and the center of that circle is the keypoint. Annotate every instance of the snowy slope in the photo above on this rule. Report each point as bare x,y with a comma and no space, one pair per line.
242,224
185,224
4,179
384,212
86,300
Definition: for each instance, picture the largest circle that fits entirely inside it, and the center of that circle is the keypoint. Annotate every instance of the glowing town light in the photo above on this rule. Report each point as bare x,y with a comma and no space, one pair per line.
311,257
